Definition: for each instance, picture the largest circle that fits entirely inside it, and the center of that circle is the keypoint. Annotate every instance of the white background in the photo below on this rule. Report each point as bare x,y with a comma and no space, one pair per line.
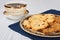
34,6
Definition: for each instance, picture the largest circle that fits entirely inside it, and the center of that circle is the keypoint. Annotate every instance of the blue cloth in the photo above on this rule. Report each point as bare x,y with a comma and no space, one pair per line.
16,27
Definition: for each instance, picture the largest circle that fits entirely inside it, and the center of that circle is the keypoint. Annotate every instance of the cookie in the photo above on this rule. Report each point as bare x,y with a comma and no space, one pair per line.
37,16
50,17
37,24
54,28
48,31
26,23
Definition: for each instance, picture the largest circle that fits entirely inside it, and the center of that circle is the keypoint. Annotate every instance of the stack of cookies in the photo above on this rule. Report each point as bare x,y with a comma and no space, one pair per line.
15,10
39,21
45,23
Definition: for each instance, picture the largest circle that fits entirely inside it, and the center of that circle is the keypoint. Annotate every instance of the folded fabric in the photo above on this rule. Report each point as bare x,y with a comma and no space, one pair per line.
16,27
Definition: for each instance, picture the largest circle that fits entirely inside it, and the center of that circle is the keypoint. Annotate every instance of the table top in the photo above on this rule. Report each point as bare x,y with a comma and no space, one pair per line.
34,6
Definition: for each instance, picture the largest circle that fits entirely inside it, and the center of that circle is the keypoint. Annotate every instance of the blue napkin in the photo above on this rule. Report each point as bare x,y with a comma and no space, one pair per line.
15,27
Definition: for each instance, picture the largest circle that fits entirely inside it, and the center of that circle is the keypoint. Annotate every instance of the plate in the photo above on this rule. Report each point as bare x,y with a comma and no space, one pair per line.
35,32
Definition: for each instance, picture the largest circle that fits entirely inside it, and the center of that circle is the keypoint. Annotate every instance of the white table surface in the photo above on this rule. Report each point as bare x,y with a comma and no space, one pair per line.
34,6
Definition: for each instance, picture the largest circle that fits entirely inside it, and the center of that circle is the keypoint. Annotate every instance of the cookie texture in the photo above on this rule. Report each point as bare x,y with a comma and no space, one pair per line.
37,24
38,17
26,23
50,17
